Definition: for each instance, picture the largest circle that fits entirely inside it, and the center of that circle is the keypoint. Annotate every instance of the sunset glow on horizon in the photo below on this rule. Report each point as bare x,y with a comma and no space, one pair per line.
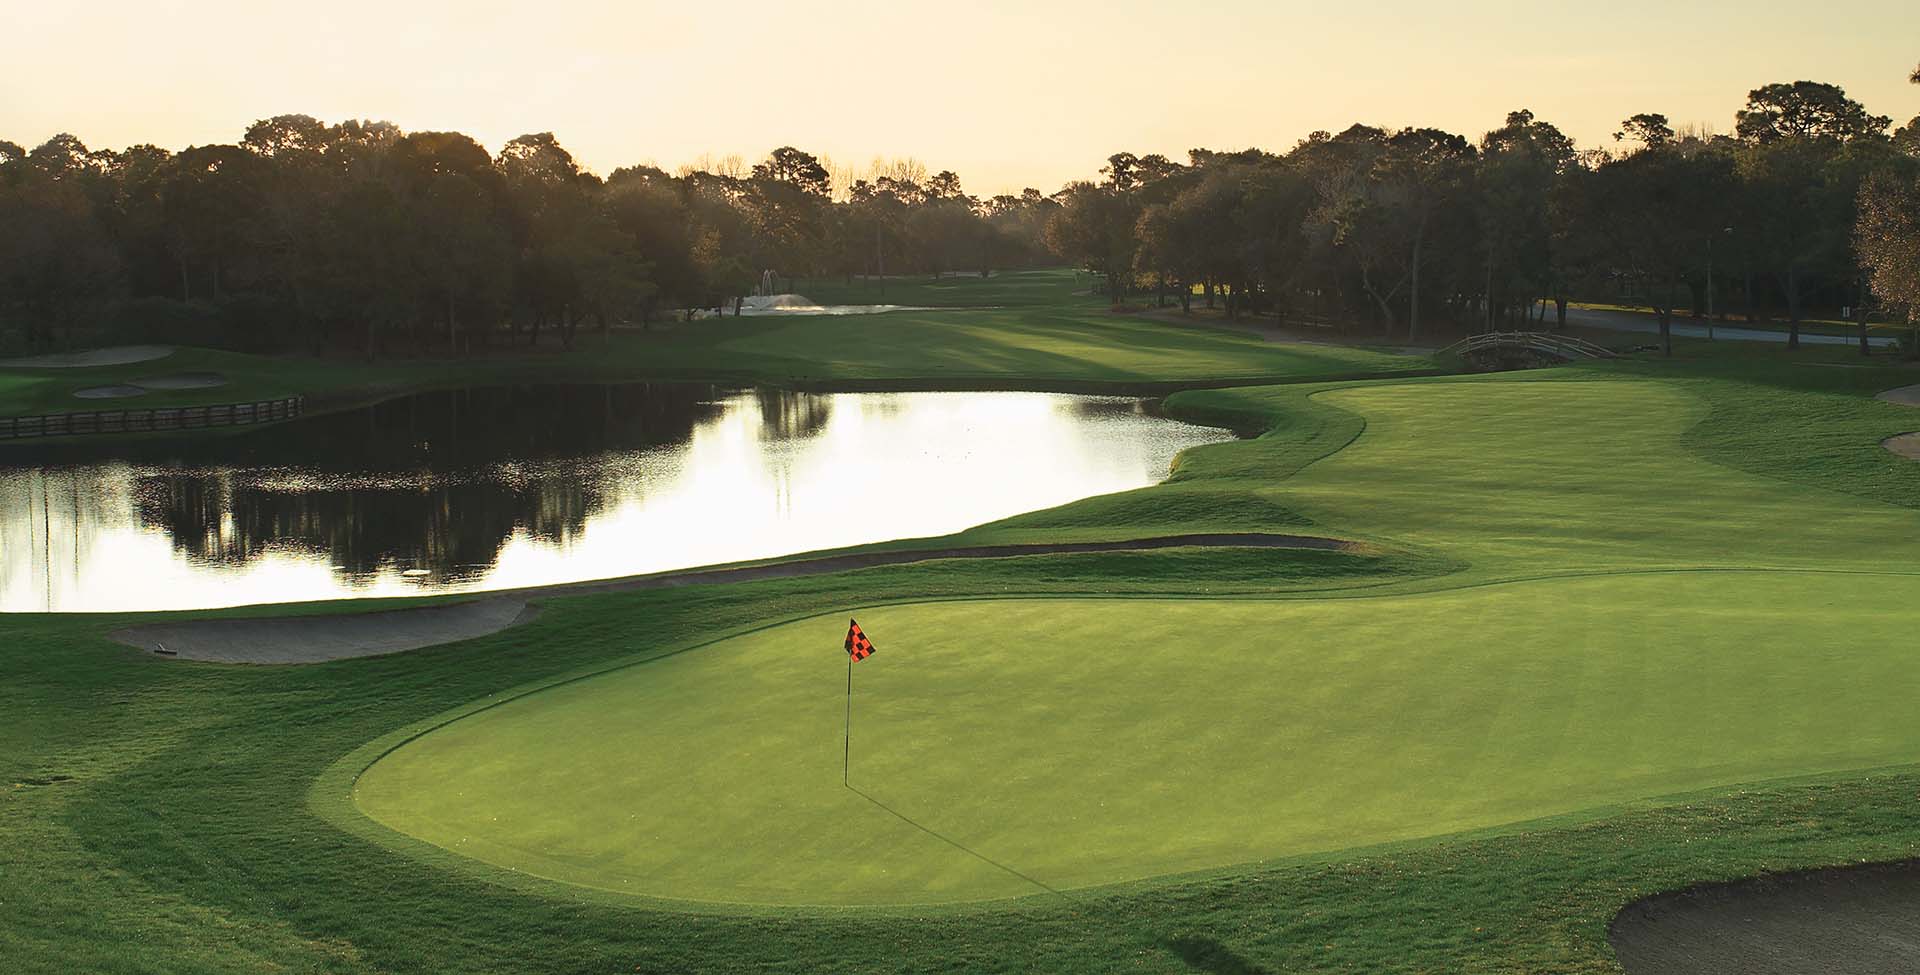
1005,94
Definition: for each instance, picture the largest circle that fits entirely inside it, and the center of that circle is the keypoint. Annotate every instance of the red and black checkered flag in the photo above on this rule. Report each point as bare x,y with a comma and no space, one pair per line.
858,646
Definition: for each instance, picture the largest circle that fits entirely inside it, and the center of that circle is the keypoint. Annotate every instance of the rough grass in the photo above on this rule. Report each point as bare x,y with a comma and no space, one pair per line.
18,385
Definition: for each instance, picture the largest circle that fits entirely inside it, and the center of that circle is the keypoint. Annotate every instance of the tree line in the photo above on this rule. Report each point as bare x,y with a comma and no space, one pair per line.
1809,203
357,235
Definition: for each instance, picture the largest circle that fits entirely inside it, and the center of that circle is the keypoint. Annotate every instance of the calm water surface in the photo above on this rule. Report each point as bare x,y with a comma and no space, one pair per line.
499,488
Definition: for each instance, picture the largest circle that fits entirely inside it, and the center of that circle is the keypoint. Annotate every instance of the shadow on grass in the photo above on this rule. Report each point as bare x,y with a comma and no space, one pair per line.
1208,955
956,844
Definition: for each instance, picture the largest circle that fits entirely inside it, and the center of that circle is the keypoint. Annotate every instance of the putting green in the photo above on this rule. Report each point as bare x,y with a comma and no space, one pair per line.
999,745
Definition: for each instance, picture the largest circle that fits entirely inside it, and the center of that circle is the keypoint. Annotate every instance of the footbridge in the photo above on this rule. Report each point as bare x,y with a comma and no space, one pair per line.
1564,347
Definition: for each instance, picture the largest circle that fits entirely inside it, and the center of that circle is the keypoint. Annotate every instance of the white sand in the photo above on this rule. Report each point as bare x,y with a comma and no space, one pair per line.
182,380
116,391
1907,444
794,306
311,639
1905,395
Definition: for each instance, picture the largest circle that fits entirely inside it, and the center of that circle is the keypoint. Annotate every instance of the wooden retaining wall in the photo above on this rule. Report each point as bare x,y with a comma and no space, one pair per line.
143,421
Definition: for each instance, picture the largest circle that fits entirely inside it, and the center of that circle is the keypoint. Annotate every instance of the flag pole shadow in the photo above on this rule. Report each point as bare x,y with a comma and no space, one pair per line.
962,847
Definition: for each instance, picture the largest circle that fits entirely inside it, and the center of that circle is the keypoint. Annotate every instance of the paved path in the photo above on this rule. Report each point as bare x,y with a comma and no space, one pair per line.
1626,321
1852,921
313,639
1616,321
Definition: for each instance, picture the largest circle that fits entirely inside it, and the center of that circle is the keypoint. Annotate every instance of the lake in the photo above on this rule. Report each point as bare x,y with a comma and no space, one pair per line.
500,488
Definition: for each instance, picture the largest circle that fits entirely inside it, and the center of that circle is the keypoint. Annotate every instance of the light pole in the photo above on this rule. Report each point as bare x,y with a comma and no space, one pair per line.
1710,287
1710,240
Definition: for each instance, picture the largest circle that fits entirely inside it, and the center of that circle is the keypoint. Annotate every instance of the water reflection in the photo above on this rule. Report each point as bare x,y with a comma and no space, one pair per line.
497,488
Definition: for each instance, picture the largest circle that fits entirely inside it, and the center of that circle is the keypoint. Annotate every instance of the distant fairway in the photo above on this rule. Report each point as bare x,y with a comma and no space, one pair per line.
1087,741
1023,330
1002,289
1074,344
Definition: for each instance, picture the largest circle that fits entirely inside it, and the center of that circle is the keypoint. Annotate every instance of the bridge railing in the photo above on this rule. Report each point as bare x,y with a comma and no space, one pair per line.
1563,346
146,420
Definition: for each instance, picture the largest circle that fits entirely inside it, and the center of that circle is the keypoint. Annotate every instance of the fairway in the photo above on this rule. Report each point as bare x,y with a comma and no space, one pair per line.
1079,742
1071,343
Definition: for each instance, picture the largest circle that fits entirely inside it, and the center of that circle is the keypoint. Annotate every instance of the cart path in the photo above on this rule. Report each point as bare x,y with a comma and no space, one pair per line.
314,639
1632,321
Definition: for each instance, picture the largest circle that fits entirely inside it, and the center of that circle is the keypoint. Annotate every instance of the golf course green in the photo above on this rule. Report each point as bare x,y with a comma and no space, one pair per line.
1001,746
1603,631
1011,746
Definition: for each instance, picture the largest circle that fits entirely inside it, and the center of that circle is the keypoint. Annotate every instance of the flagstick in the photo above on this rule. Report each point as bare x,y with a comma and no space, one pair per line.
846,747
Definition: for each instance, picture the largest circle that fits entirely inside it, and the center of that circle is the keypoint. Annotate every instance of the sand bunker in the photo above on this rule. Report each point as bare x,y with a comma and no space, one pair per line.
1853,921
182,380
115,391
140,387
311,639
784,306
118,355
1907,444
1904,396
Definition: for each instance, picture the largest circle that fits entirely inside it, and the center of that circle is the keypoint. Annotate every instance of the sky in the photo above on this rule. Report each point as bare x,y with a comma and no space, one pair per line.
1006,94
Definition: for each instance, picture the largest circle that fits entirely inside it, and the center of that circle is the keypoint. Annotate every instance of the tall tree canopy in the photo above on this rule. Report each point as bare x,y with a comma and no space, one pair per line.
358,235
1805,109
